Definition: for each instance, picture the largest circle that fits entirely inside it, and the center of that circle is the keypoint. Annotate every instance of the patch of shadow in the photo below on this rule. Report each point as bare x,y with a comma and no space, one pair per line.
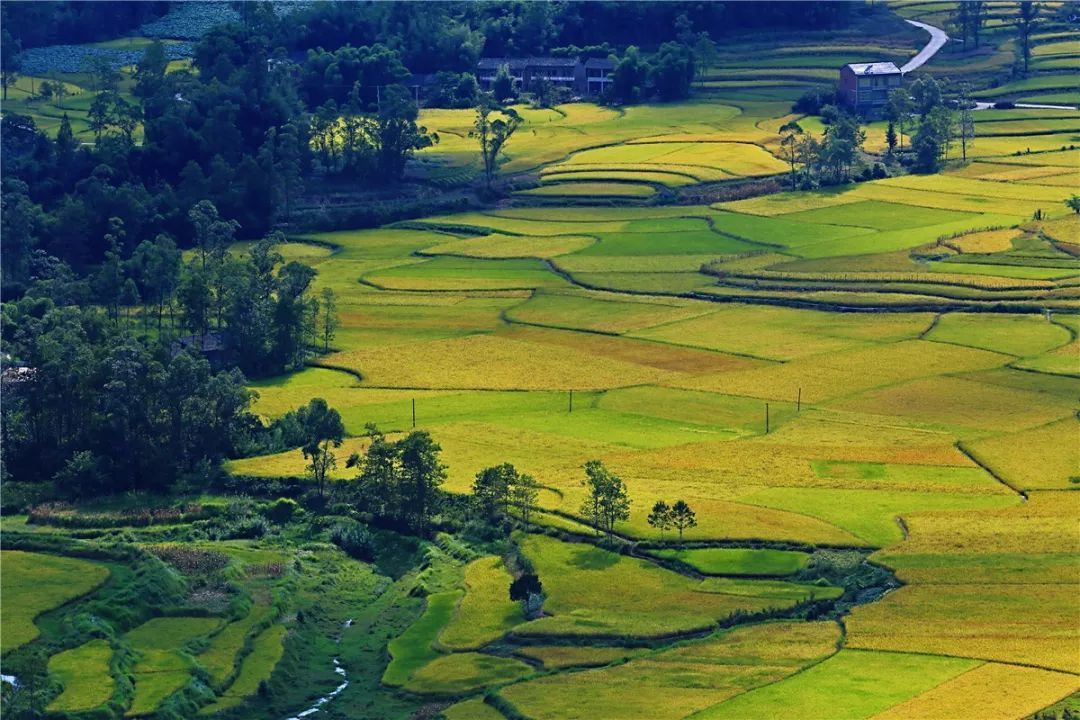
591,558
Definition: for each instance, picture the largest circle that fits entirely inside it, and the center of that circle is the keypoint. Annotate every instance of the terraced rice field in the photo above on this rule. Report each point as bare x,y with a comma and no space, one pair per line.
877,368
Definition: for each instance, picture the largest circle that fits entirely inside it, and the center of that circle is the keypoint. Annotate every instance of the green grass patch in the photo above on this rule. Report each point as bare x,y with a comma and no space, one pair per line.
486,612
84,674
462,672
738,561
579,581
219,658
851,685
870,514
414,649
32,583
162,667
1020,335
256,667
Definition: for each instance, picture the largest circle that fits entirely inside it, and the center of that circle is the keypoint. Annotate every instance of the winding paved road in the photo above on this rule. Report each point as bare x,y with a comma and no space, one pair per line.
938,38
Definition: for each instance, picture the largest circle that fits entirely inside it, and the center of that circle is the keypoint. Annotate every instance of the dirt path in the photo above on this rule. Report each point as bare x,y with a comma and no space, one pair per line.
938,38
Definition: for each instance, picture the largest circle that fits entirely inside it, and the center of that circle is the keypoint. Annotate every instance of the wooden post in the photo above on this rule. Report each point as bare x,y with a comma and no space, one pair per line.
414,412
766,418
798,402
571,401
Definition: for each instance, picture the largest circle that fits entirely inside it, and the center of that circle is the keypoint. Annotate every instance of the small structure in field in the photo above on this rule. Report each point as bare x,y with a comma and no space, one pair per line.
865,87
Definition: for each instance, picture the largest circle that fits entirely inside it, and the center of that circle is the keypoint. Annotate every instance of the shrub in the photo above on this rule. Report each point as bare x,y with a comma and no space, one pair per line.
354,539
282,510
811,101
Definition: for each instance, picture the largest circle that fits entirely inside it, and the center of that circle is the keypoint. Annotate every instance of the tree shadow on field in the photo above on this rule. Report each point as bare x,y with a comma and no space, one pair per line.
590,558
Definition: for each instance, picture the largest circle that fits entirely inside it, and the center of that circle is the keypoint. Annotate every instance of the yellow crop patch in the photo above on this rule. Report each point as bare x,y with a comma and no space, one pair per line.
1003,692
490,361
497,245
844,373
961,406
1042,457
1029,624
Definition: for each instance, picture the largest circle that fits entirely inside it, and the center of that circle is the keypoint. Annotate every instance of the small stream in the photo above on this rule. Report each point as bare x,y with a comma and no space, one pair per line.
318,704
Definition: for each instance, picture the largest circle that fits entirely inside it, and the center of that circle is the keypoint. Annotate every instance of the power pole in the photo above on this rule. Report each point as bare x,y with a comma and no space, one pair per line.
766,418
414,413
798,402
571,401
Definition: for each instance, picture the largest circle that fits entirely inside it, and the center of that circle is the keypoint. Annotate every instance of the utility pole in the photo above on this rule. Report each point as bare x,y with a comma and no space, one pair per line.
414,413
766,418
798,402
571,401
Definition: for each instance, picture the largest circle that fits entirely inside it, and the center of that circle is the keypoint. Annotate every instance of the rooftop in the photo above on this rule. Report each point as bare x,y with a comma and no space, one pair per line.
874,68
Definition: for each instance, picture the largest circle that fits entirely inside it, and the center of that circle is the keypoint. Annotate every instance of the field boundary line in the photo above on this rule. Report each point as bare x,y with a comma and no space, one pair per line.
990,471
966,657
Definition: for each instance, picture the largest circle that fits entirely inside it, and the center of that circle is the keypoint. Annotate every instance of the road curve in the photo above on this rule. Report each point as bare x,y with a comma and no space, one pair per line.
938,38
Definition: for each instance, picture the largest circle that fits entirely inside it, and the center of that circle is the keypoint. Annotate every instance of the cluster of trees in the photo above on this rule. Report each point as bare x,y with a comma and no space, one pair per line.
93,409
452,36
606,500
668,74
399,480
936,120
51,23
830,160
501,490
678,516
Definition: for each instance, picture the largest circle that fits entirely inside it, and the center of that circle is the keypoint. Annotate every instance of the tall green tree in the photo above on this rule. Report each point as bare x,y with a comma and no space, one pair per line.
523,495
606,501
492,129
328,322
629,78
790,136
422,474
1026,15
682,517
491,489
898,110
395,134
660,517
323,432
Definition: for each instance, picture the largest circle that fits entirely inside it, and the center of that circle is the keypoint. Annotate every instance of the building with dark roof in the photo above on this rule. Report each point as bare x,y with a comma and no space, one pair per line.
865,87
587,78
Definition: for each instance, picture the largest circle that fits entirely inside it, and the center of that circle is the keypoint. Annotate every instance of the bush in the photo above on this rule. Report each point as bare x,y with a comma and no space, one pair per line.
1005,105
354,539
811,101
281,510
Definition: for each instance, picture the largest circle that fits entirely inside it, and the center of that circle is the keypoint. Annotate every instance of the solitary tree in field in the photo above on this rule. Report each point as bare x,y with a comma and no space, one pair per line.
965,121
1073,203
789,140
329,322
682,517
492,128
660,517
607,501
1025,24
323,431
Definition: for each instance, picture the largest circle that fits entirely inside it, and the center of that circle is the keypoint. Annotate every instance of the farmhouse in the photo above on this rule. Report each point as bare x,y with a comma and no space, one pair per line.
865,87
590,77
